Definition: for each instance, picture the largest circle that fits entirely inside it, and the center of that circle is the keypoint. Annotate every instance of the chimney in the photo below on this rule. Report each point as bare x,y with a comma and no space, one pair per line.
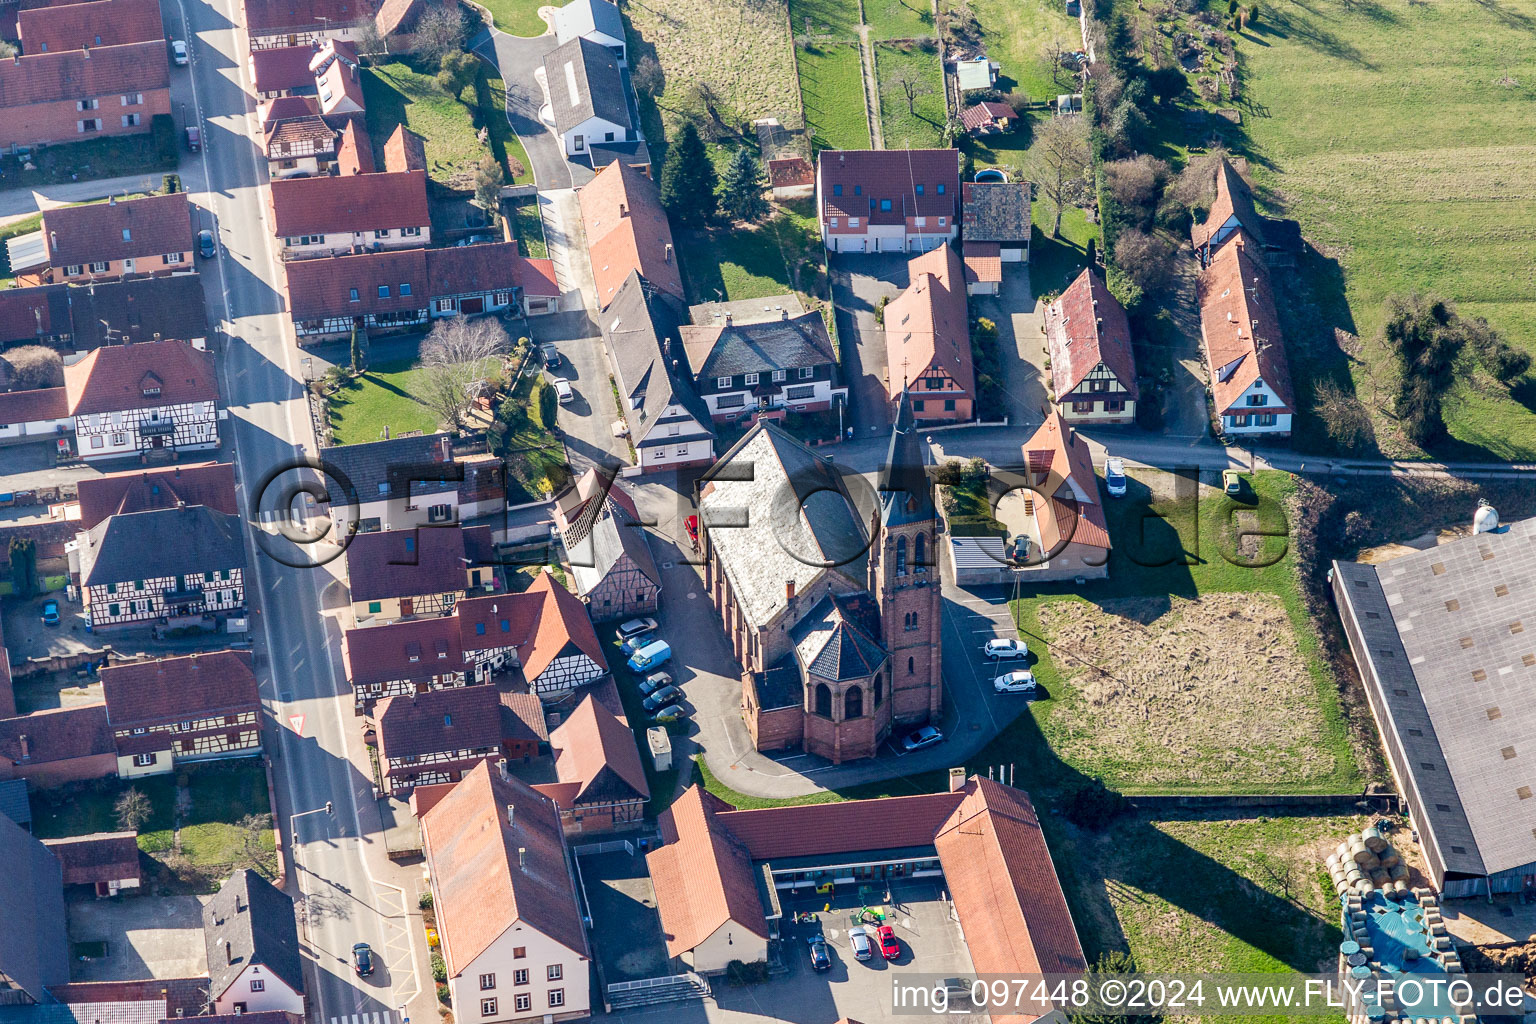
86,51
111,200
522,858
229,953
727,319
623,210
783,314
789,591
447,447
956,779
669,252
510,810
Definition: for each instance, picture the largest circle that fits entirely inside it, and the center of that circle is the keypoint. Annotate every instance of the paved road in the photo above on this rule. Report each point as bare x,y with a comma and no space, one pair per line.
337,861
519,58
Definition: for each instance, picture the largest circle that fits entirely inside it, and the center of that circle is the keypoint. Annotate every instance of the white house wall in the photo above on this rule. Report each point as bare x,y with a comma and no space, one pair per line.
729,942
540,952
274,994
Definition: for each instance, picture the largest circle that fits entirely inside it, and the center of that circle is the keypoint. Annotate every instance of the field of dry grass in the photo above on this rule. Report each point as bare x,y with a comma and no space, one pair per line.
742,51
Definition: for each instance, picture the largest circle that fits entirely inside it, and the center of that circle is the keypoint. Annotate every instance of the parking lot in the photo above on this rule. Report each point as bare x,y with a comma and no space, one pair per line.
146,937
859,282
26,636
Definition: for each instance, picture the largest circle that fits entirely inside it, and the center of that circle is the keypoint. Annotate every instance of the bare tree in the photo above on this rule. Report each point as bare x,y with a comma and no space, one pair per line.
370,41
1053,50
439,31
1348,422
1058,158
34,366
647,76
1276,874
132,809
909,83
453,358
254,830
1147,259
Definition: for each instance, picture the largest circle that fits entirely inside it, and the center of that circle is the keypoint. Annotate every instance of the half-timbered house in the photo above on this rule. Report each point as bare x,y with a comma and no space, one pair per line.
171,710
607,549
601,783
544,633
127,399
437,736
1093,367
405,657
163,563
396,574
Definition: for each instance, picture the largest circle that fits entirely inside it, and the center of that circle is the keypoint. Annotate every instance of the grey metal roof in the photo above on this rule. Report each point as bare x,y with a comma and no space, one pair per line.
906,493
257,922
777,512
640,327
131,1011
381,469
580,17
34,952
13,801
584,82
161,542
832,645
1465,618
785,343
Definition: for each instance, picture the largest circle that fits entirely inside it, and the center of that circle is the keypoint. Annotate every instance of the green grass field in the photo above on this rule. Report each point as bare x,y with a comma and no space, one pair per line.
529,228
1016,33
1398,134
836,18
380,398
832,88
517,17
1055,262
746,263
398,94
923,128
899,19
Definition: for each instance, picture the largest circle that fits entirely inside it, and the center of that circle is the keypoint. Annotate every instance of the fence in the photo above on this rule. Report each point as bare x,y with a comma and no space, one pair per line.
611,846
1317,802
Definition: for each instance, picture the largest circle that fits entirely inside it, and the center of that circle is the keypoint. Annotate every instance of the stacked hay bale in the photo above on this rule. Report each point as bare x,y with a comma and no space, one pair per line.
1365,862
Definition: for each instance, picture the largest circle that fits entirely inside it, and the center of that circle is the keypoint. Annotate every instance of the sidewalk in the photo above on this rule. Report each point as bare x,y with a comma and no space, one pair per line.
19,203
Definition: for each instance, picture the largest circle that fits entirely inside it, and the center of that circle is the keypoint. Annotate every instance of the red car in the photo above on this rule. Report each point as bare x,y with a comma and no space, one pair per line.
887,936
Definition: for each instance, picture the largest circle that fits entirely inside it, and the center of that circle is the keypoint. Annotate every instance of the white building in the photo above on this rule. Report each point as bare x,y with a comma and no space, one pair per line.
253,948
596,20
504,891
1244,350
587,98
37,413
127,399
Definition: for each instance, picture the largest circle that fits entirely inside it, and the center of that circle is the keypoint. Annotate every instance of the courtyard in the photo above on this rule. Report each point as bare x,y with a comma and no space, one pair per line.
145,937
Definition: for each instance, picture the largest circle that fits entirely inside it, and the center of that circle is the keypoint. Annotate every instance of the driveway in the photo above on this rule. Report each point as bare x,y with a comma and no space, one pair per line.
518,58
1021,345
859,282
146,937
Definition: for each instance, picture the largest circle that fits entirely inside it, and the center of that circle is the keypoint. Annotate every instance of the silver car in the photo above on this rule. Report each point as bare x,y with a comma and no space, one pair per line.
858,938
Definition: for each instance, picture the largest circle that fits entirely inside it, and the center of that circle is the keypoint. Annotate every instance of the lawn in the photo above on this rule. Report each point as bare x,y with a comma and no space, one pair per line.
1394,132
741,50
517,17
748,263
396,93
1055,262
923,127
1015,34
364,406
838,19
529,228
832,88
106,157
899,19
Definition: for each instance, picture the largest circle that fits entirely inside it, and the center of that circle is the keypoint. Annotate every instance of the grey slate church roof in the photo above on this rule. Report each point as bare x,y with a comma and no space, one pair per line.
584,82
161,542
833,645
906,493
1454,642
257,922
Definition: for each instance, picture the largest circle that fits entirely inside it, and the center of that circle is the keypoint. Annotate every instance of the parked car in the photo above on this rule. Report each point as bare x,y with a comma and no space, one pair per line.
634,643
888,945
1003,650
821,959
205,247
1231,481
926,736
662,697
1016,682
858,938
550,355
362,959
671,711
194,138
472,240
179,52
653,682
650,656
632,627
1114,478
563,391
50,613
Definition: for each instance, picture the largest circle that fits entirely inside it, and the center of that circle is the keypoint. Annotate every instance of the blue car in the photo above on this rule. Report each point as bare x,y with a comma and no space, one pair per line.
50,613
632,644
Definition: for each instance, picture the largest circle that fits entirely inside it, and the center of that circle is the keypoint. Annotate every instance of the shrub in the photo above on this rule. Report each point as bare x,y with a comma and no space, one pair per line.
1092,805
885,300
1498,357
442,994
439,968
35,366
424,902
163,129
738,973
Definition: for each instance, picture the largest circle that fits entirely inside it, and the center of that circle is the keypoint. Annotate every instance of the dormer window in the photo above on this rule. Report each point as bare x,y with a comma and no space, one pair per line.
150,386
127,234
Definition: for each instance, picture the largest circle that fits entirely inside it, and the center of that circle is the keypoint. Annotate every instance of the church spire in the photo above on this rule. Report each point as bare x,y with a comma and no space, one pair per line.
906,494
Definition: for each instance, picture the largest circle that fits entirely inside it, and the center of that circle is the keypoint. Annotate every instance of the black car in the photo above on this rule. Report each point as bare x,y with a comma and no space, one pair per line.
362,959
662,697
821,959
205,244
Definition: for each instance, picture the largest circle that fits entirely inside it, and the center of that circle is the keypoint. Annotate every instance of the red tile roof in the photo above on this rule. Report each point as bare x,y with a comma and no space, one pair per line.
439,721
268,15
184,997
356,202
542,622
1059,465
115,379
404,150
982,114
472,268
102,857
628,230
790,172
1233,199
118,229
27,313
283,108
1004,888
100,23
338,78
354,151
35,406
281,67
58,734
537,276
522,716
70,74
397,16
983,263
703,876
140,490
173,689
844,827
323,287
413,649
406,563
868,176
1087,326
597,753
928,325
1242,329
473,854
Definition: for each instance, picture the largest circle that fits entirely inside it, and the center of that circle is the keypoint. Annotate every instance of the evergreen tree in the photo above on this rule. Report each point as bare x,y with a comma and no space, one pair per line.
741,191
359,357
688,180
